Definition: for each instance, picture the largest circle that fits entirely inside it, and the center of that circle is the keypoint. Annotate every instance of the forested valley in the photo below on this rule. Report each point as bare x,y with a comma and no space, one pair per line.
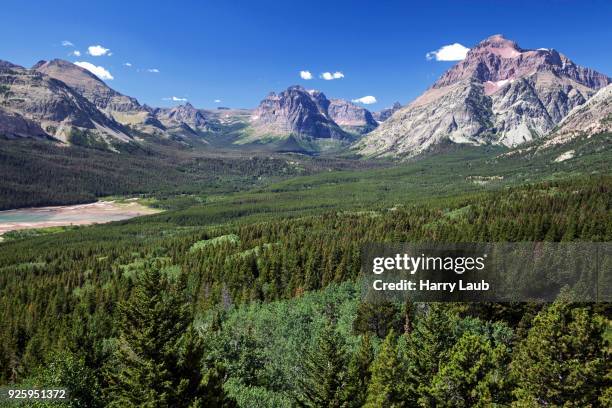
178,309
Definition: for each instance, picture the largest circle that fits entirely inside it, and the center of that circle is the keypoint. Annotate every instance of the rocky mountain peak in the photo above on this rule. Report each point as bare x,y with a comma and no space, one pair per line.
66,69
35,101
39,64
296,111
500,93
386,113
351,117
498,61
8,65
88,85
498,44
181,115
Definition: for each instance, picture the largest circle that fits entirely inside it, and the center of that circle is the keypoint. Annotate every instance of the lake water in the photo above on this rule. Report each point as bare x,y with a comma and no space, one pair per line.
81,214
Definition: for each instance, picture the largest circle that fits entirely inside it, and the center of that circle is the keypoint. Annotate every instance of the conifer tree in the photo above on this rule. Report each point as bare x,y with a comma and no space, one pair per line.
473,375
158,358
323,372
432,337
386,388
378,318
359,374
564,359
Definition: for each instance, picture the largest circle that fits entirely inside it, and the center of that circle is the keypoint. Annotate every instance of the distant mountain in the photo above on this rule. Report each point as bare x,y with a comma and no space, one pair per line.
180,116
351,117
32,100
386,113
122,108
500,94
295,119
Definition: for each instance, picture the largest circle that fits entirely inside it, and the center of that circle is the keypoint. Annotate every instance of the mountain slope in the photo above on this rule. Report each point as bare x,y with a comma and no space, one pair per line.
498,94
592,118
56,108
13,125
122,108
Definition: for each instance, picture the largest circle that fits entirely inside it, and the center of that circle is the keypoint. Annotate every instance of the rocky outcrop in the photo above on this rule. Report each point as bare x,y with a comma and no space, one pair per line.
294,113
13,125
350,117
499,94
386,113
57,109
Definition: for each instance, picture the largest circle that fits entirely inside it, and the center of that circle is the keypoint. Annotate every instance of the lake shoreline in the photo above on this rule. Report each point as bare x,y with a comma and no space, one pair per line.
98,212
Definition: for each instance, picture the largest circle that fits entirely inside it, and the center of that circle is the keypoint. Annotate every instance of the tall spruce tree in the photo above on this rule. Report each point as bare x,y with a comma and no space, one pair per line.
431,339
387,388
564,360
473,376
158,360
323,372
359,374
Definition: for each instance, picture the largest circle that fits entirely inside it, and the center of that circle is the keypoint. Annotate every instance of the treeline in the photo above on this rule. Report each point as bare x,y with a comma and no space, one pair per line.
61,292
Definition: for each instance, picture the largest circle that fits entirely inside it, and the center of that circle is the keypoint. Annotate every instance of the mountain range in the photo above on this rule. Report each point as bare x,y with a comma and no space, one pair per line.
500,94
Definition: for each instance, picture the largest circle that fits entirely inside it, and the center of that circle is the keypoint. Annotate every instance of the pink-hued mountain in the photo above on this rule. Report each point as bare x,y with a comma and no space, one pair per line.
500,94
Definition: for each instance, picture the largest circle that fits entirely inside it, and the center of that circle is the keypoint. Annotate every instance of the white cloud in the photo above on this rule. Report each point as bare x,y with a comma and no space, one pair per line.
328,76
175,99
67,43
305,75
217,100
366,100
98,71
76,53
154,70
97,50
128,64
452,52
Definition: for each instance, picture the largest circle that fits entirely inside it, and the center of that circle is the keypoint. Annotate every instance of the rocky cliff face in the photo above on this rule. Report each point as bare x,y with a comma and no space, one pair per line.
386,113
53,106
499,94
295,113
350,117
592,118
13,125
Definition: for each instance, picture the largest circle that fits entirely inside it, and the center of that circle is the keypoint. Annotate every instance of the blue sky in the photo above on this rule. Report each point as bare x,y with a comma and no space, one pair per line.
238,51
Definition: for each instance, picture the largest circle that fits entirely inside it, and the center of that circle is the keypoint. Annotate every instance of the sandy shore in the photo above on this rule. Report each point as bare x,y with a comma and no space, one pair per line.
81,214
